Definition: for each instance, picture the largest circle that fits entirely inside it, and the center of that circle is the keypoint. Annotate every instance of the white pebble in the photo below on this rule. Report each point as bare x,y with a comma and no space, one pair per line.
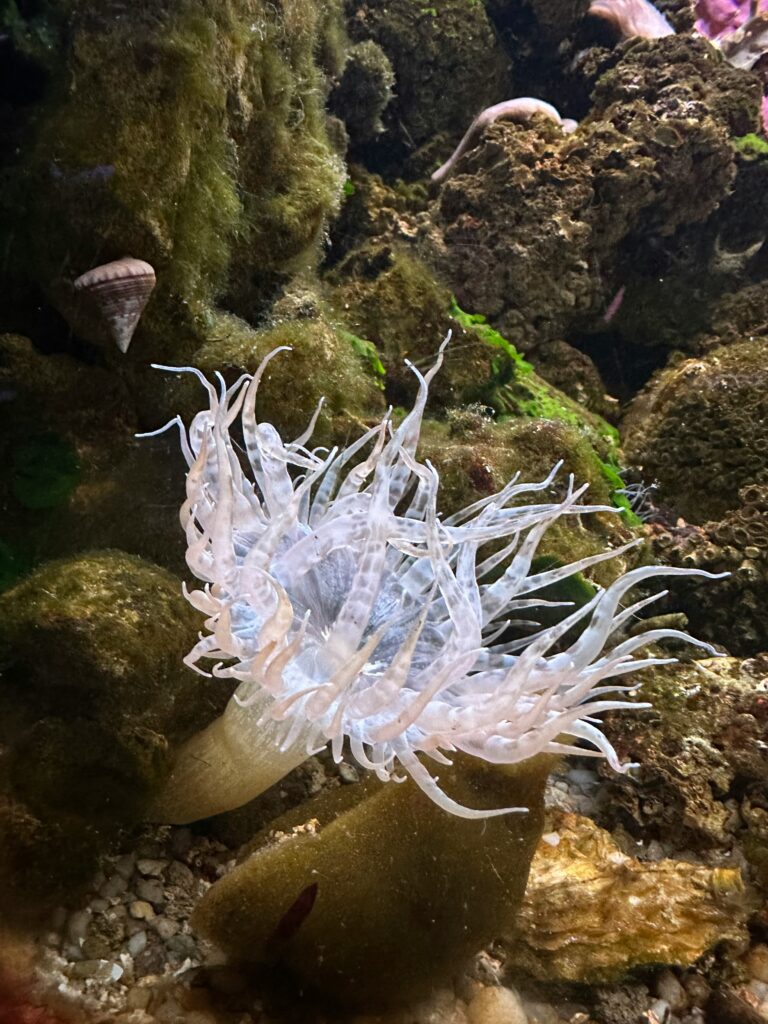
137,943
661,1011
495,1005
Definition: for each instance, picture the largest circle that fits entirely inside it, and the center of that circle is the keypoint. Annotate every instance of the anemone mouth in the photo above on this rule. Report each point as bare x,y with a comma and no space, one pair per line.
335,591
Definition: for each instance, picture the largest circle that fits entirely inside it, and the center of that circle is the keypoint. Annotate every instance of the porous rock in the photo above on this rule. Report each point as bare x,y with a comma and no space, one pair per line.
700,430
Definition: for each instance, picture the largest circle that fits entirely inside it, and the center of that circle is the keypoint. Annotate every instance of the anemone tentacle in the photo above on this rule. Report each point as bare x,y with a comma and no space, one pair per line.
348,610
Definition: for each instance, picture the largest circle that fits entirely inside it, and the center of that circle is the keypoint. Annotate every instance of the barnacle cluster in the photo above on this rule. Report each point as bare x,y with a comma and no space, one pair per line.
350,612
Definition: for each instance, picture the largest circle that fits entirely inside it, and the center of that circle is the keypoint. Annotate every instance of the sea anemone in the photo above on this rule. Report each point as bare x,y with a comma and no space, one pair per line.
351,613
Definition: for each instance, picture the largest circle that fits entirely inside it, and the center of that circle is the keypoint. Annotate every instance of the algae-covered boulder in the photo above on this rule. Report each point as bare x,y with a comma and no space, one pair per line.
364,91
534,226
448,64
729,611
93,694
325,362
190,135
373,894
71,467
476,457
701,751
700,429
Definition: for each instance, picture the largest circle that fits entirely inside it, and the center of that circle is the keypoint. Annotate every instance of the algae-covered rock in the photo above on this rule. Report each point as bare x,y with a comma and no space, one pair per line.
71,467
379,902
189,135
476,457
728,611
448,64
575,374
94,692
701,751
534,226
325,361
591,913
391,297
364,91
700,429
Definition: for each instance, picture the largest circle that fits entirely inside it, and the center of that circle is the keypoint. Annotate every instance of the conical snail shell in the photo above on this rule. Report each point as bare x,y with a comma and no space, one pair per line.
119,290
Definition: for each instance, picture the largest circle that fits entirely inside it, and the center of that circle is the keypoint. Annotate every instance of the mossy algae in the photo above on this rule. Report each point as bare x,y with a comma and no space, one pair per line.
190,135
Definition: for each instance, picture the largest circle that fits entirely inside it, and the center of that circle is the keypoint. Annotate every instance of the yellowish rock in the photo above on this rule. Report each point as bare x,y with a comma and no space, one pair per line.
496,1005
591,913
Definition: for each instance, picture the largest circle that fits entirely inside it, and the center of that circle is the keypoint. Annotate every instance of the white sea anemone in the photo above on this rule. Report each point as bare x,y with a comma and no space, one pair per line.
351,613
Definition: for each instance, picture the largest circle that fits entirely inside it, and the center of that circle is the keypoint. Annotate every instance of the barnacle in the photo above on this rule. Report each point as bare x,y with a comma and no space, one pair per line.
348,610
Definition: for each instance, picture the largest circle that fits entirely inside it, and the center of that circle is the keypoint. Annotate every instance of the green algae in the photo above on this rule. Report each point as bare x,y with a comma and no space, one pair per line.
751,145
515,389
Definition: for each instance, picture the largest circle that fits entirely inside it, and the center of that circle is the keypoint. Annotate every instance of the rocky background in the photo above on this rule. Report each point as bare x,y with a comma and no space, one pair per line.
608,296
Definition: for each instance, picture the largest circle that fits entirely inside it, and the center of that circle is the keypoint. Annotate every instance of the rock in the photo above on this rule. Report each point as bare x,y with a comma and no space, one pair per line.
447,66
496,1005
705,415
118,195
726,611
756,962
106,632
137,943
148,866
591,913
703,738
142,910
526,197
669,989
103,971
150,890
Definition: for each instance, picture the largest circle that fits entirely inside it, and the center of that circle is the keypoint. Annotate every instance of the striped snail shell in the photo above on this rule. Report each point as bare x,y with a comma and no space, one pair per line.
119,291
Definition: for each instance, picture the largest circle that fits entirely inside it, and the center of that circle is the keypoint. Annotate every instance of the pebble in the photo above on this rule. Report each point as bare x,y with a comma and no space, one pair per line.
541,1013
77,926
148,866
757,962
165,927
669,989
179,874
182,946
115,885
659,1012
495,1005
124,865
348,773
141,910
138,997
697,987
181,842
150,890
96,970
137,943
